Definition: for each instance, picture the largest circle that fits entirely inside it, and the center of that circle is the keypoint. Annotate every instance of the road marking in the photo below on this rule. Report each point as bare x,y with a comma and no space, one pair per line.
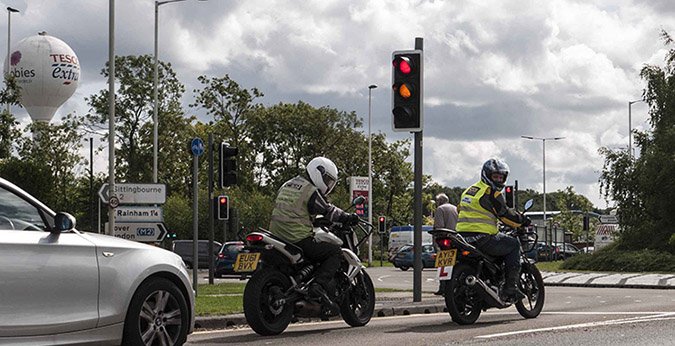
649,318
379,278
496,312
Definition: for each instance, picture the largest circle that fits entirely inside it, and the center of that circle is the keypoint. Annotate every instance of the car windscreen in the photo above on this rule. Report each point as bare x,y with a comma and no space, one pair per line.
18,214
233,248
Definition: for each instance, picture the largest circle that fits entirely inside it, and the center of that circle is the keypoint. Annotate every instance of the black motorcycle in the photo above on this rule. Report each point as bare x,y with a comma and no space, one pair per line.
278,290
476,279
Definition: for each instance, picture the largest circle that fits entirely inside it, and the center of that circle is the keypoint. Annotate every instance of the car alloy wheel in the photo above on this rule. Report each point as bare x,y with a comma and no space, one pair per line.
160,318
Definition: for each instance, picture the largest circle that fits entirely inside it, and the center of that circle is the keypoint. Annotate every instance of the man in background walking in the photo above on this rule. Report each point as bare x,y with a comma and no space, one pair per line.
445,216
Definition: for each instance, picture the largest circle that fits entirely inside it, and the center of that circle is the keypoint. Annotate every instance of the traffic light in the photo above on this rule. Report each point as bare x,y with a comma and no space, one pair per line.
382,224
407,91
586,222
171,235
222,207
509,195
227,174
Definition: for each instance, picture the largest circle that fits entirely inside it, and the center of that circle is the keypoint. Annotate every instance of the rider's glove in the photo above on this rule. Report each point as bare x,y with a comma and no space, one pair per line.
350,219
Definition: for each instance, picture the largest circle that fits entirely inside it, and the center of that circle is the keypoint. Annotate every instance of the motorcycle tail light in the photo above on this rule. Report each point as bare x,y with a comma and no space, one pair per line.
444,243
254,238
465,253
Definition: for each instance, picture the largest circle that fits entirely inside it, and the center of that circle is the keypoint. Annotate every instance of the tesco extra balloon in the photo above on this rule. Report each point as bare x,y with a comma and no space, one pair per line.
47,71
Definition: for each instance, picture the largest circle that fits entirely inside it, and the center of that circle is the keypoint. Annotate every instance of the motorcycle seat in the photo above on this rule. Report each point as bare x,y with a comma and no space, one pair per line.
290,247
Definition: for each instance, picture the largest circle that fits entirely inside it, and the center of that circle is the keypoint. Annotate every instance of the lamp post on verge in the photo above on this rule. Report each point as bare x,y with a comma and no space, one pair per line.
370,177
9,38
630,127
543,141
154,89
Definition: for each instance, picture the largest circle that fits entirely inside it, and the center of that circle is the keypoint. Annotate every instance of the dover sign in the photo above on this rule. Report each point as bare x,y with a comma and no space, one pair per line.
139,231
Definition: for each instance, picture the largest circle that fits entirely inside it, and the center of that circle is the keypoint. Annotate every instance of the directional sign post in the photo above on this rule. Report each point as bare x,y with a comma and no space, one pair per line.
140,231
134,193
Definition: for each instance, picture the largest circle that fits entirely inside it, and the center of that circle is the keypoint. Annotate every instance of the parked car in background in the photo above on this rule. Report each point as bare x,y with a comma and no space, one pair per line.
61,286
542,252
404,257
567,250
226,258
184,249
587,249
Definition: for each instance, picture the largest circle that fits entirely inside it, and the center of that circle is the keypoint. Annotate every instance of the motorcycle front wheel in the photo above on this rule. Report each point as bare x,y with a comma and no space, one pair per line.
461,300
358,306
532,285
264,302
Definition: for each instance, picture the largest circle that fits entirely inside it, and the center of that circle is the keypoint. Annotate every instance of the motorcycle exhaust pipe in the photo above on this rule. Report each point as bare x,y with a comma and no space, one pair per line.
489,294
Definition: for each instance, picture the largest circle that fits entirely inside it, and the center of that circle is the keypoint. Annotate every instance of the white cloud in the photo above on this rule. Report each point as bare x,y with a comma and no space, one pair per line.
494,70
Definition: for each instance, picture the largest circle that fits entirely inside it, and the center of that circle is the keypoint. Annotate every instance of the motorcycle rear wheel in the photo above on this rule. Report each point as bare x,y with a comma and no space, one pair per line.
463,304
358,306
532,285
262,296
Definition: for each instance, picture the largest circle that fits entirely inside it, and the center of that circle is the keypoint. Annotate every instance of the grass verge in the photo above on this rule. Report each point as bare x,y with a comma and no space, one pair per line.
227,298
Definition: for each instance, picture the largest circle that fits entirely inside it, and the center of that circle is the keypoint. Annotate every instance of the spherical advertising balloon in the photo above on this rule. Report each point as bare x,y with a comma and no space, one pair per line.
47,71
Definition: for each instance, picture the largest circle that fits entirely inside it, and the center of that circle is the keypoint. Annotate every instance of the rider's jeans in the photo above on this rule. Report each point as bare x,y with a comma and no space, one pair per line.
325,253
502,245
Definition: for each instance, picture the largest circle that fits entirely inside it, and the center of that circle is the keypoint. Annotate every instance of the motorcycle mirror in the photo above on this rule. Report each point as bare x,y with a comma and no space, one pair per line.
529,204
358,200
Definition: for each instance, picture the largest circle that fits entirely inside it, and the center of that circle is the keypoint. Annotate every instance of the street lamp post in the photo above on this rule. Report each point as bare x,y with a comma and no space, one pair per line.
370,177
154,89
9,38
543,141
630,127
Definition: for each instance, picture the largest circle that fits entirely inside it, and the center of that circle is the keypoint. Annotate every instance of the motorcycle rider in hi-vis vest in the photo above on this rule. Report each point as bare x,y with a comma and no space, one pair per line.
298,202
481,207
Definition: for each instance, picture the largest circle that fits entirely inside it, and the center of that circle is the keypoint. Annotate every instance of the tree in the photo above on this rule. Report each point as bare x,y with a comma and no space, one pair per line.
642,186
9,131
134,111
568,202
54,149
230,106
287,136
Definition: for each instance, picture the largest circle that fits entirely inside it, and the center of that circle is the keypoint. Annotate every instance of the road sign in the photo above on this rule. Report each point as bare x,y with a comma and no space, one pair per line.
139,231
197,146
611,219
114,202
139,214
129,193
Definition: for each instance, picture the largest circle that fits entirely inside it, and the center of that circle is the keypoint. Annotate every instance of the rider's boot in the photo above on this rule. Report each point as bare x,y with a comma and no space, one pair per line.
511,293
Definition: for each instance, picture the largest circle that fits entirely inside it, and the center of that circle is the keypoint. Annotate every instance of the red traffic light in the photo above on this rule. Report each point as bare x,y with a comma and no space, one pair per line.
508,189
381,218
222,200
403,64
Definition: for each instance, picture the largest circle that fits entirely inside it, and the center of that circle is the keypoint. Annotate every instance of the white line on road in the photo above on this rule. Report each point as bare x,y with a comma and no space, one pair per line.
379,278
650,318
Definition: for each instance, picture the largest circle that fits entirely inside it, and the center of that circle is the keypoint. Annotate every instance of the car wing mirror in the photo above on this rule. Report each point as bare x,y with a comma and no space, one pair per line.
63,222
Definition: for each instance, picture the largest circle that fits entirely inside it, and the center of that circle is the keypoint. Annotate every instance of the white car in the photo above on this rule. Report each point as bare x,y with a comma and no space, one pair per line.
61,286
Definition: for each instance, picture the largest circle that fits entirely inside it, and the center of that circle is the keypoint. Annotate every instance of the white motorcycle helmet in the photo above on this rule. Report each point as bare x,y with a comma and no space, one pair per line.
323,173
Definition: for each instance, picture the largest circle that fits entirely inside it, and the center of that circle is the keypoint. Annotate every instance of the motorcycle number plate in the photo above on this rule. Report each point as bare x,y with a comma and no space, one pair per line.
446,258
246,262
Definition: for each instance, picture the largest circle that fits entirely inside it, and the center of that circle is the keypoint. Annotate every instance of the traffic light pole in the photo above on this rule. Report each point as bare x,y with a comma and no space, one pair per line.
211,206
195,221
417,208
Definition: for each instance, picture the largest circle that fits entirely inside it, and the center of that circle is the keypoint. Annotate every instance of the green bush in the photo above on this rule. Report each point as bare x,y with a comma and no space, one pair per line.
612,259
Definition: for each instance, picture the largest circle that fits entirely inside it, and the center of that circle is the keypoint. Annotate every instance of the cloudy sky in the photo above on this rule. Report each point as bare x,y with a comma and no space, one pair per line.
494,70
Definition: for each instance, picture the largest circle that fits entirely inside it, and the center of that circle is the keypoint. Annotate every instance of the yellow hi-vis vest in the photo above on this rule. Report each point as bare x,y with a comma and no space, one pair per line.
472,216
290,218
